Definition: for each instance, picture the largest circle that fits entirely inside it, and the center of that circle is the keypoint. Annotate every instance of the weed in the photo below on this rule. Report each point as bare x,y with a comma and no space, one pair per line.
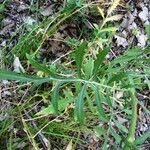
92,87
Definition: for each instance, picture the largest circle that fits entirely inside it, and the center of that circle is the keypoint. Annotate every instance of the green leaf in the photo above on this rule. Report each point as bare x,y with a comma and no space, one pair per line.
115,135
108,99
46,111
100,131
143,138
123,59
100,58
79,54
109,29
147,28
131,54
145,60
62,104
104,146
88,68
2,8
79,108
120,126
117,77
147,71
9,75
134,116
148,82
146,50
100,109
90,103
39,66
55,96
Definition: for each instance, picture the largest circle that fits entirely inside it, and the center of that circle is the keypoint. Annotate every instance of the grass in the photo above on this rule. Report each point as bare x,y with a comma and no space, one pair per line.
66,99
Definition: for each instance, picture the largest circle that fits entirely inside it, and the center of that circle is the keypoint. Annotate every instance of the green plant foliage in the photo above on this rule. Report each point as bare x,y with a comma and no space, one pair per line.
62,104
79,109
120,126
9,75
79,54
100,58
116,136
88,68
100,109
143,138
100,131
55,97
147,28
40,67
2,8
88,86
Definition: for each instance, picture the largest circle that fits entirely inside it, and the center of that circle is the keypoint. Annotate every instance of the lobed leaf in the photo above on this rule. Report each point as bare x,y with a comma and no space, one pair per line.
55,96
120,126
117,77
2,8
89,102
116,136
39,66
62,104
100,109
100,131
143,138
108,99
9,75
148,82
147,28
88,68
79,54
79,108
100,58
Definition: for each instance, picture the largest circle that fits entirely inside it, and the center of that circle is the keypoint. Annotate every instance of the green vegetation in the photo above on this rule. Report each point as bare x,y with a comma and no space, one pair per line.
80,94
